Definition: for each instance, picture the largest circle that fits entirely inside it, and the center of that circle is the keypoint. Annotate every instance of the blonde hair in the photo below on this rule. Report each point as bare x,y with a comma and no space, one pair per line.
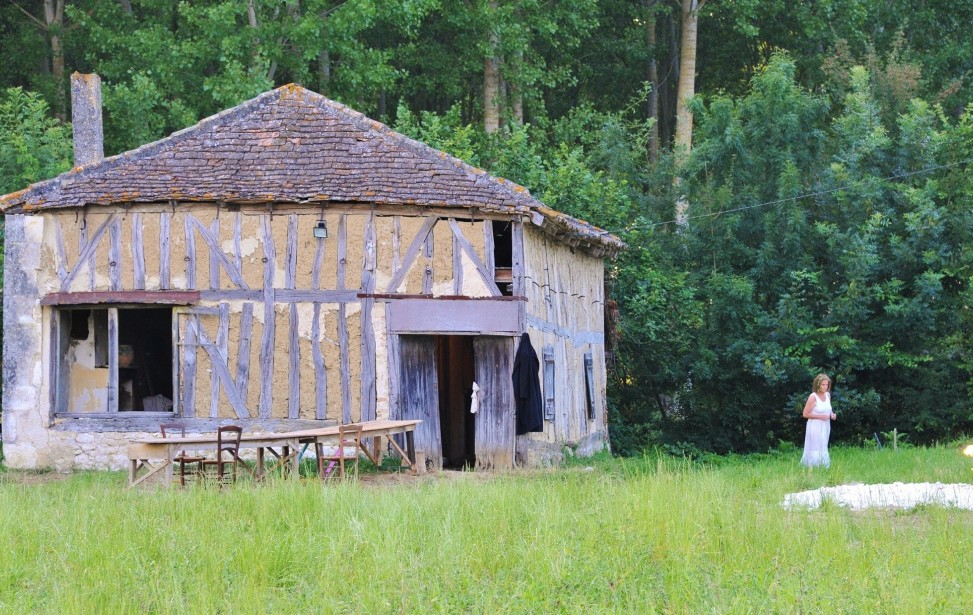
818,380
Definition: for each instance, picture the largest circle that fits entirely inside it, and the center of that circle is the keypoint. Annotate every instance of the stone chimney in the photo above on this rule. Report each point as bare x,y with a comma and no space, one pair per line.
89,140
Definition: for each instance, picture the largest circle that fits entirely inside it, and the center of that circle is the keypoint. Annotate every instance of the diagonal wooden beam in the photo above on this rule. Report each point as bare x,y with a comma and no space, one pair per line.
411,253
89,249
217,252
481,268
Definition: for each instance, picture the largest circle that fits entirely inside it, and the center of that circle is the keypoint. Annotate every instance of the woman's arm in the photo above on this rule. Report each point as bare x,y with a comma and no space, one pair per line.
809,406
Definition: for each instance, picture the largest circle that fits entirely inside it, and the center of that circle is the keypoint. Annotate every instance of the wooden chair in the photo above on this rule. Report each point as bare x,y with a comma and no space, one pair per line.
227,443
183,458
344,452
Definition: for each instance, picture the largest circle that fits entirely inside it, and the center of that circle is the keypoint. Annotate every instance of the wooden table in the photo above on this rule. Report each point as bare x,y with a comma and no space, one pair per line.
370,429
156,454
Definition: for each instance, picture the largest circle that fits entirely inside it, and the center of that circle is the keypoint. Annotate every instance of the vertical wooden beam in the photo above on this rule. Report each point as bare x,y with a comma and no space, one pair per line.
396,245
177,363
318,263
368,389
222,350
517,239
290,265
269,336
62,257
214,262
54,363
345,364
243,350
342,250
164,251
457,262
294,373
320,374
427,274
190,253
138,252
113,359
189,367
489,257
392,346
115,255
237,234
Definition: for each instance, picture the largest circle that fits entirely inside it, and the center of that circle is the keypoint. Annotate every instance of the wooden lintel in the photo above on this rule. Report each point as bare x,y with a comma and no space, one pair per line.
165,297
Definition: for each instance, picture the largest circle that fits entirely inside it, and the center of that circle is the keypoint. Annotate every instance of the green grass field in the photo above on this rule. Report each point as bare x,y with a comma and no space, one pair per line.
654,535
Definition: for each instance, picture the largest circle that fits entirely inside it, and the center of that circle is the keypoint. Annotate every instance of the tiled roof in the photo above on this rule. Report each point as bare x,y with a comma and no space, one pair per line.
290,145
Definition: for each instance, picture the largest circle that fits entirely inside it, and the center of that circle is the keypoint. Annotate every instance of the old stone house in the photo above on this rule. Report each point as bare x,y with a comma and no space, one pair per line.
285,263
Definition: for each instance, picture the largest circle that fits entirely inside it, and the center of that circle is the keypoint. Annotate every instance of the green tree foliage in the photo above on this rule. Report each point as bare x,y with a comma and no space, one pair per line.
820,245
33,145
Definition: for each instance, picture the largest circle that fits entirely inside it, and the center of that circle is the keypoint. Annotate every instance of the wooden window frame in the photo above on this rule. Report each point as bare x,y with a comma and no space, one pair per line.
549,383
60,336
589,382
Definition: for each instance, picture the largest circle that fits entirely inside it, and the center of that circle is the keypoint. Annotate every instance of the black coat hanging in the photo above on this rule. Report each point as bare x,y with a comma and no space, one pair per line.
527,388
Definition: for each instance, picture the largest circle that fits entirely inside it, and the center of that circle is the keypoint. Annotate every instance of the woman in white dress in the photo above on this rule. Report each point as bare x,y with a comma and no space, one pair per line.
818,413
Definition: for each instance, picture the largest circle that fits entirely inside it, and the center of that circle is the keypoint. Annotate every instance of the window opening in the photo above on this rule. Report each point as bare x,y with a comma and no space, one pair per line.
549,383
503,256
589,384
143,360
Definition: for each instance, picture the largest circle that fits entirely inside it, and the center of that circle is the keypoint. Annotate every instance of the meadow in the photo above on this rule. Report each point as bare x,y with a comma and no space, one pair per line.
651,535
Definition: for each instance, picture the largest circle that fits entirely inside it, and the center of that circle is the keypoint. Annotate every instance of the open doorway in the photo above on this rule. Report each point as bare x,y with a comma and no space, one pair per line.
455,374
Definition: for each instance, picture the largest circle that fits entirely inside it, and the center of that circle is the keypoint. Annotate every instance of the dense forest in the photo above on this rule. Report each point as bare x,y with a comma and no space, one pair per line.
793,179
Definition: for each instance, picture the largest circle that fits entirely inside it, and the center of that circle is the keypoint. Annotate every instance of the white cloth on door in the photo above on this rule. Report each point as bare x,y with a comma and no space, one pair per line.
475,401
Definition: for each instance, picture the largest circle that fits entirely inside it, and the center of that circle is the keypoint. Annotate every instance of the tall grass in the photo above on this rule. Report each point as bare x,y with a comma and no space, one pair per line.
642,536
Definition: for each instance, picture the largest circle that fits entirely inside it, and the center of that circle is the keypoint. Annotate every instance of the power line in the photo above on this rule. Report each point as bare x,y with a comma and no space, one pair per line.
791,198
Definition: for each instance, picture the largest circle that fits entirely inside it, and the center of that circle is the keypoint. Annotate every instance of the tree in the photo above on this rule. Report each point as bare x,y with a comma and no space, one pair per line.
33,145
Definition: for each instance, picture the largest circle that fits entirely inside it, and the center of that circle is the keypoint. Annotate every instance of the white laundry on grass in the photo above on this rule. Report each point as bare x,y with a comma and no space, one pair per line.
894,495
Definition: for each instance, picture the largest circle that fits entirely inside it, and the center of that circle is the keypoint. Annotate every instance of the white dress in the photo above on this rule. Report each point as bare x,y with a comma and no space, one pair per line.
818,432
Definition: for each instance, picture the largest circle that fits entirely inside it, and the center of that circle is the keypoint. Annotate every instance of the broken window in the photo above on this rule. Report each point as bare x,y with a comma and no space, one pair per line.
113,359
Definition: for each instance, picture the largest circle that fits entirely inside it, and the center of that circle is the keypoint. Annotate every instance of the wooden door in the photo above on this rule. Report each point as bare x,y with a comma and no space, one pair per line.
494,358
419,394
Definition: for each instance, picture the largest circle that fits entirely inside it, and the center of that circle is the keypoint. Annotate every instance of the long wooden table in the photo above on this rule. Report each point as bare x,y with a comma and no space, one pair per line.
156,455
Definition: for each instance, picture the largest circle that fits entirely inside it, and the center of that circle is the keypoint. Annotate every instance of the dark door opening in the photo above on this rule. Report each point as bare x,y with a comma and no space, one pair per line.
455,373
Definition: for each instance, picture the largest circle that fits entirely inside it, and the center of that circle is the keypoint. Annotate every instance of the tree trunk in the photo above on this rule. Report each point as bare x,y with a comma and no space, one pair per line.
54,18
685,92
653,101
687,77
126,6
516,95
491,81
324,71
